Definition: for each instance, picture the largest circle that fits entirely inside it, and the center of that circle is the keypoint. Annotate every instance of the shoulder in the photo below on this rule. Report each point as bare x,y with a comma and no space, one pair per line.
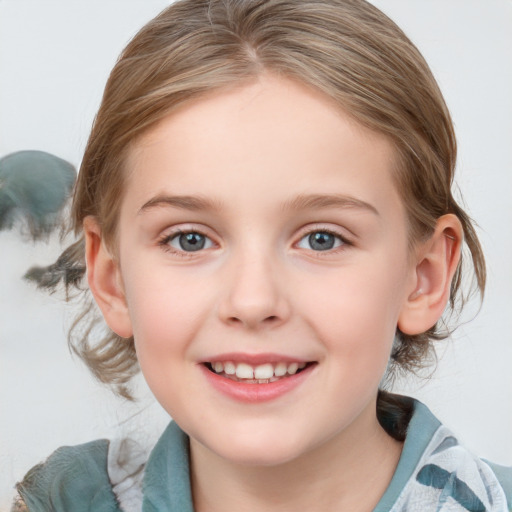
72,478
449,472
504,477
104,476
436,472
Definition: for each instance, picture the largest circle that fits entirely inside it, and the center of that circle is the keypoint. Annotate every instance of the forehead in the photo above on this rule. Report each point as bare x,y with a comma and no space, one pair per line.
269,139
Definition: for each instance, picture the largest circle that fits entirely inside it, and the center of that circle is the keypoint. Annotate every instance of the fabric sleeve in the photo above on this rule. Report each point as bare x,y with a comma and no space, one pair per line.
504,475
72,478
126,462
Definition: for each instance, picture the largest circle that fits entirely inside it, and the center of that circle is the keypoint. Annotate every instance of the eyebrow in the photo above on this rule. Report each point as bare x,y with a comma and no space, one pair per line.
191,203
301,202
312,201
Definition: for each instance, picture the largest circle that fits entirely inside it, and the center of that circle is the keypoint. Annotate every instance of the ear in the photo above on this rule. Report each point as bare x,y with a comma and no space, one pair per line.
104,278
436,262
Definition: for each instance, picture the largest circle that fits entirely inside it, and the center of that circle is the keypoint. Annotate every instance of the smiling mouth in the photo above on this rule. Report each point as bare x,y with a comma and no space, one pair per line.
259,374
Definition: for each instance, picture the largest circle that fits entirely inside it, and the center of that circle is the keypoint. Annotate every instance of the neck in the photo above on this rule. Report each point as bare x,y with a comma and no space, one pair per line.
351,471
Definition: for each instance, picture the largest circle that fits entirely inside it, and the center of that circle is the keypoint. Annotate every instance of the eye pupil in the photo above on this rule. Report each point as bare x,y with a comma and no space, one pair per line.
191,241
321,241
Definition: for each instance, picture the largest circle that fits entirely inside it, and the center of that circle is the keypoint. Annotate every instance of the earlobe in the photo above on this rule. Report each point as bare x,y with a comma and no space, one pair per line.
436,263
104,278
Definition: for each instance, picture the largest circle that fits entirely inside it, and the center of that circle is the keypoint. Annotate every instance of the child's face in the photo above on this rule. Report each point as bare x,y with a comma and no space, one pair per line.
261,225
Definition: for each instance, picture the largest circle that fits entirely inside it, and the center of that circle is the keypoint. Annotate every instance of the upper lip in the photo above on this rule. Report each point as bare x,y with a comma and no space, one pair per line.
254,359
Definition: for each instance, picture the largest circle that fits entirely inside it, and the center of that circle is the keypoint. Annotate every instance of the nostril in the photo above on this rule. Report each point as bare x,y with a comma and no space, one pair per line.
254,321
271,318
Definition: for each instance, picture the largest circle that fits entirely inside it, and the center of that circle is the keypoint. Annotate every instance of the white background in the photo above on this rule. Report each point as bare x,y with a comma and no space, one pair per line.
54,59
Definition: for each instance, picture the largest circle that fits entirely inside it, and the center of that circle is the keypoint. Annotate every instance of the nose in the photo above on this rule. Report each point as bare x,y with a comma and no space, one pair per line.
254,293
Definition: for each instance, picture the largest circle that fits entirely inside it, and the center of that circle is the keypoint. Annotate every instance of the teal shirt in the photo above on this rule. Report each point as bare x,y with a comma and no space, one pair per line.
434,474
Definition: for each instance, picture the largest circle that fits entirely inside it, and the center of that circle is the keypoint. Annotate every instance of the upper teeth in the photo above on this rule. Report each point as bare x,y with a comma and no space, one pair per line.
260,372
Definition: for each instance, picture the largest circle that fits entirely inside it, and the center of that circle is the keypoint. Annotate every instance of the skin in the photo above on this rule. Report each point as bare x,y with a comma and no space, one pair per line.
251,155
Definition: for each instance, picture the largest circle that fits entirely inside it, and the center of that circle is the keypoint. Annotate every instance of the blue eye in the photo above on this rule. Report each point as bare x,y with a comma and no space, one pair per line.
190,242
320,241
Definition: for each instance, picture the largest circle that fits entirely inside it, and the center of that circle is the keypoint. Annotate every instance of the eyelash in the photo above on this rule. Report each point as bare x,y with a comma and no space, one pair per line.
343,244
164,242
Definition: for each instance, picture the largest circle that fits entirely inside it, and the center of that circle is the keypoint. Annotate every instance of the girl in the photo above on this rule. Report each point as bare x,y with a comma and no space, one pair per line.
265,212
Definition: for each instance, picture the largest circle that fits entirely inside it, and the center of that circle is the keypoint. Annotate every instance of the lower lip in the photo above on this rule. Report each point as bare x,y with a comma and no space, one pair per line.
255,393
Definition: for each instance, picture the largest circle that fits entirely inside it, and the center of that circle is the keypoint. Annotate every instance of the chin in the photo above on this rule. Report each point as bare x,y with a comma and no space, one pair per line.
260,458
259,450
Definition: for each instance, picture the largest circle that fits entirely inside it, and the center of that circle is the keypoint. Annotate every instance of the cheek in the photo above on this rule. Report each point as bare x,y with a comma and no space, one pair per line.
355,310
165,314
165,323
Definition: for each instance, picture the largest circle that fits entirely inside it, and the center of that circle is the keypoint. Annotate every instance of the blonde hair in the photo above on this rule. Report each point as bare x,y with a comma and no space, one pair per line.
347,49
